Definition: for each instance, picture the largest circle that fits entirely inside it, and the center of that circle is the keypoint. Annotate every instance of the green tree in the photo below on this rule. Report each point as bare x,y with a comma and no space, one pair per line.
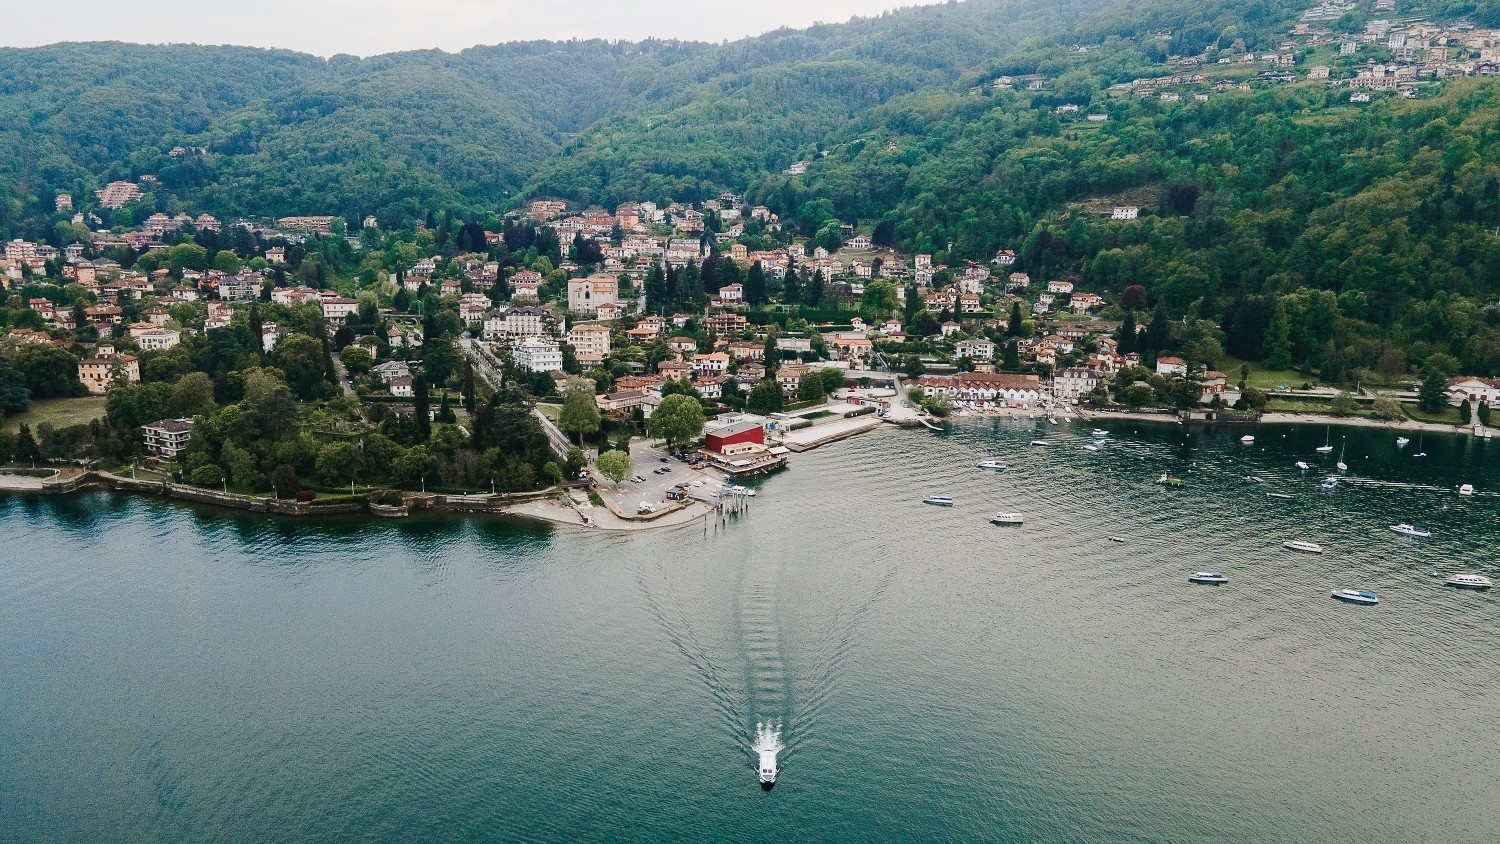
227,262
1139,395
678,420
1432,395
765,397
1277,349
580,413
616,465
300,359
1484,413
356,359
1013,325
285,482
1465,412
340,463
1010,360
1343,404
833,380
414,467
913,366
810,388
1387,408
207,475
14,397
445,411
422,410
878,300
193,395
26,449
49,371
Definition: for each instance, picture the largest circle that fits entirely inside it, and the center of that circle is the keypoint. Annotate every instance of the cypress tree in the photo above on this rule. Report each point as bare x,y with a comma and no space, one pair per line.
468,386
1126,336
423,408
257,331
1013,327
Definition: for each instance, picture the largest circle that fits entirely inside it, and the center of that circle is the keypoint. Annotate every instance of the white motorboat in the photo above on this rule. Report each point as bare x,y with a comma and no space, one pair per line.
738,490
1412,530
992,464
1303,546
1007,519
767,745
1117,539
1302,464
1401,442
1278,495
1327,445
1091,447
939,500
1040,442
1356,596
1247,439
1208,577
1330,483
1466,489
1469,580
1100,432
1051,420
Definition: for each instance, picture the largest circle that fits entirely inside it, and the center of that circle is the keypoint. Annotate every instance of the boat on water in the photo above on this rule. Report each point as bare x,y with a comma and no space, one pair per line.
1040,442
1117,539
1303,546
1343,467
1302,464
1356,596
1051,420
1007,519
1469,580
1327,445
1100,432
767,745
939,500
1169,479
992,464
1278,495
1411,530
1330,483
738,490
1466,489
1420,452
1401,442
1208,577
1091,447
1247,439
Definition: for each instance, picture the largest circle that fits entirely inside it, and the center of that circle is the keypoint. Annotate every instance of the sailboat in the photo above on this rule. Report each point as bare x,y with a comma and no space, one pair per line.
1343,467
1327,445
1420,452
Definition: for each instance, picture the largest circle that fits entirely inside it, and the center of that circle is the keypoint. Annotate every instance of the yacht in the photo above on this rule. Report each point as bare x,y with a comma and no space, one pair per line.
1343,467
1356,596
1420,452
1006,519
767,745
1330,483
1303,545
1247,439
992,464
1411,530
1466,489
1040,442
939,500
1208,577
1327,445
1302,464
1469,580
1401,442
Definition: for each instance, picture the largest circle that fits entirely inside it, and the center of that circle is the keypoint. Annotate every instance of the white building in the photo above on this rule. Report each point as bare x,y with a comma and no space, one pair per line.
1073,384
1125,212
537,354
590,342
158,339
505,323
167,438
976,349
585,295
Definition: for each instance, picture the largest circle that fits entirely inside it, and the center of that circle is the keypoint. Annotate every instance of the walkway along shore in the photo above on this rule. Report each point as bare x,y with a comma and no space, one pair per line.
1282,418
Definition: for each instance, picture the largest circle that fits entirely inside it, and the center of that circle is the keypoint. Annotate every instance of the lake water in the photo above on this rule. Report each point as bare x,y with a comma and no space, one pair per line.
169,673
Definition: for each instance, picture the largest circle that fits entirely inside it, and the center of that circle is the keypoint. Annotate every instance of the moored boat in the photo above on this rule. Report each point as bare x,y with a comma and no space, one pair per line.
1007,519
1469,580
1040,442
1100,432
1208,577
1303,546
996,465
1330,483
939,500
1401,441
1169,479
1356,596
1302,464
1278,495
1411,530
1466,489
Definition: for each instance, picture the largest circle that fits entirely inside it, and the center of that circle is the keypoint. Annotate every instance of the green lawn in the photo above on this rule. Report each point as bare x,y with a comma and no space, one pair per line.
549,410
1447,416
60,412
1261,378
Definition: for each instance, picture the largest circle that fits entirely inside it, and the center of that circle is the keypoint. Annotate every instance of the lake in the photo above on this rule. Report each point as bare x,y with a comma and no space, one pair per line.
182,674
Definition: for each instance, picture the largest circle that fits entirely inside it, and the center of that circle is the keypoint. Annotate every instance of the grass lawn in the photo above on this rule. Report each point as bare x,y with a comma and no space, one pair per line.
1447,416
549,410
1262,378
60,412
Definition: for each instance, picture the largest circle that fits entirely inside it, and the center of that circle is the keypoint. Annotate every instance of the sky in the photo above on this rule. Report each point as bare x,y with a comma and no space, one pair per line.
369,27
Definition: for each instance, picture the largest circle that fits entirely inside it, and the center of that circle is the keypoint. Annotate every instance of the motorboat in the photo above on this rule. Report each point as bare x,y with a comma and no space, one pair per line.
1040,442
1466,489
1412,530
767,745
1169,479
1303,546
1091,447
1247,439
1401,442
1327,445
1356,596
1469,580
1302,464
1208,577
1051,420
1006,519
1330,483
996,465
1278,495
1254,480
939,500
1100,432
1117,539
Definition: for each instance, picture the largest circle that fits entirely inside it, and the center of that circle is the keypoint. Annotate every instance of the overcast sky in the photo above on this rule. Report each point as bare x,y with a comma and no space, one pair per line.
368,27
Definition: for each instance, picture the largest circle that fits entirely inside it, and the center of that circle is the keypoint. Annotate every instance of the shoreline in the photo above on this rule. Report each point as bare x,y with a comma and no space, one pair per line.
1285,418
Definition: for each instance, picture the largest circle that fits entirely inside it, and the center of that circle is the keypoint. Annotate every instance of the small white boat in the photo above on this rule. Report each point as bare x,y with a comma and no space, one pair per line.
1304,546
1091,447
1040,442
1401,441
1100,432
1466,489
1247,439
1469,580
1117,539
1330,483
1356,596
1302,464
1051,420
992,464
1208,577
1278,495
767,745
1412,530
939,500
1327,445
1007,519
1343,467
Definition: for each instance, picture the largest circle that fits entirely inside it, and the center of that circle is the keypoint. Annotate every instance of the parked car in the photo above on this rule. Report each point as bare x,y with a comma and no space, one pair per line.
662,459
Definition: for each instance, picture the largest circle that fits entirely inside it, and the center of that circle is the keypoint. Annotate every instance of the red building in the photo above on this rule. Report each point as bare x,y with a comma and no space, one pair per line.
734,434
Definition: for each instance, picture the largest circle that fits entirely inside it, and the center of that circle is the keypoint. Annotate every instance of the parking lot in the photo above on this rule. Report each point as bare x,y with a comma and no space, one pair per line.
658,473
